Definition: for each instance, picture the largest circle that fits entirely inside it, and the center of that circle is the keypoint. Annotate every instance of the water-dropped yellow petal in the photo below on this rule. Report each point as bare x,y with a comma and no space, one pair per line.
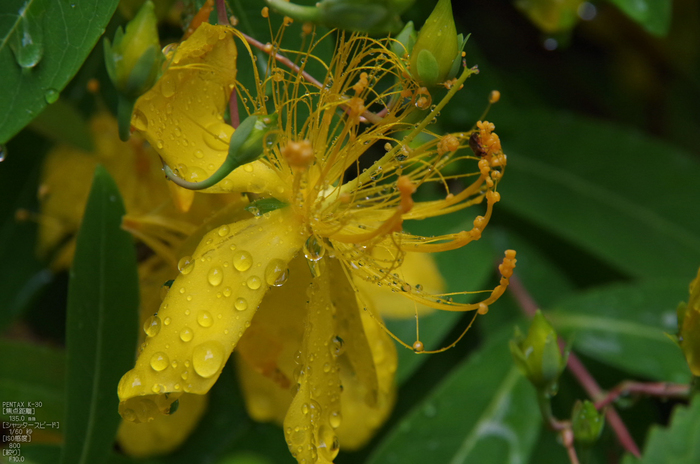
308,427
205,322
165,433
182,115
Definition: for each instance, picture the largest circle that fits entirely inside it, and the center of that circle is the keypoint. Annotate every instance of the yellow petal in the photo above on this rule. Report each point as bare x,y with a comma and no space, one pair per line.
165,433
182,115
267,351
206,311
416,269
315,409
361,417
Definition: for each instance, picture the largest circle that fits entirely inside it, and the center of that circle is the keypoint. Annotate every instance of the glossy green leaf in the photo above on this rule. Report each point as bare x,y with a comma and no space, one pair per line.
484,412
102,324
653,15
679,443
624,325
43,43
33,373
608,189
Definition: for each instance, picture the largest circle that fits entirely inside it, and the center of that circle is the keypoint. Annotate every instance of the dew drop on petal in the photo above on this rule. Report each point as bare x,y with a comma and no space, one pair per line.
185,265
254,282
152,326
224,230
336,346
227,292
186,334
242,261
335,419
328,442
215,276
276,273
208,358
205,319
159,361
241,304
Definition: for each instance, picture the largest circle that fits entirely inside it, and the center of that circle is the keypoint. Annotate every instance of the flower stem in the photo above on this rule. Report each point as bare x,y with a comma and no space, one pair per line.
663,389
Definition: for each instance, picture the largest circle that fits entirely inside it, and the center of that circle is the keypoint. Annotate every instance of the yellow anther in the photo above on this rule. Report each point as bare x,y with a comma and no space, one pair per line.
418,346
265,12
483,308
448,143
495,96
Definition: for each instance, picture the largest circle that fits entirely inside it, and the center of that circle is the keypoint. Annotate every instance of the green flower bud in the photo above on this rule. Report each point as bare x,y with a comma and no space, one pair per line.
437,47
689,327
538,355
373,16
133,62
586,422
404,40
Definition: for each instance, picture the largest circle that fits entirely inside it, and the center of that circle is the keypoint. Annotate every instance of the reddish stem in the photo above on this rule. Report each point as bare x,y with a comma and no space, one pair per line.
528,305
663,389
233,109
221,11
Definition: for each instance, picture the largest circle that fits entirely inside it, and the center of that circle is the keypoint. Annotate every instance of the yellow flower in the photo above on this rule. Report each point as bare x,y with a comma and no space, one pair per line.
280,286
689,327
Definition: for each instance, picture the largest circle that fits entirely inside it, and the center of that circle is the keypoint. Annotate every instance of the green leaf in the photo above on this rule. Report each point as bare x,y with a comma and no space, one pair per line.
653,15
43,43
613,191
101,325
677,444
484,412
624,325
33,373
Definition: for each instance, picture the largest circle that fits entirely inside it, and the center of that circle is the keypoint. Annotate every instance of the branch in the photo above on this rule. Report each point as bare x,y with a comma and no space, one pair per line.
662,389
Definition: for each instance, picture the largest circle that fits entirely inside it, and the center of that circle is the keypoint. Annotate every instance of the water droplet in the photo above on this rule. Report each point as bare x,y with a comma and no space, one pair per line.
305,408
139,120
336,346
227,292
254,282
241,304
166,321
215,276
185,265
168,86
129,415
159,361
205,319
152,326
224,230
208,358
199,154
276,273
313,250
335,419
326,367
242,261
27,42
328,442
186,334
51,95
218,135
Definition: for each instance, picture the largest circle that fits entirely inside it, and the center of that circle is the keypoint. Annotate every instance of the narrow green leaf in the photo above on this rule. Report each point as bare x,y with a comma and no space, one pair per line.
43,43
677,444
613,191
102,324
653,15
484,412
33,373
624,325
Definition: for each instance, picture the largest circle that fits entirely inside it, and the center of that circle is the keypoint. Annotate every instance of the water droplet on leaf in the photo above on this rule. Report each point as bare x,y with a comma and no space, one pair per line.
152,326
208,358
51,95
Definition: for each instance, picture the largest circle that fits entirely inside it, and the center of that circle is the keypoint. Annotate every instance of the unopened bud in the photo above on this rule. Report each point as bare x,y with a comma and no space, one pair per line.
437,48
538,355
133,61
586,422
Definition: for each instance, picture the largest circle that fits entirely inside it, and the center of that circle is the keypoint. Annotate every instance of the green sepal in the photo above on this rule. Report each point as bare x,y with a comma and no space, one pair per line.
264,205
427,68
587,423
